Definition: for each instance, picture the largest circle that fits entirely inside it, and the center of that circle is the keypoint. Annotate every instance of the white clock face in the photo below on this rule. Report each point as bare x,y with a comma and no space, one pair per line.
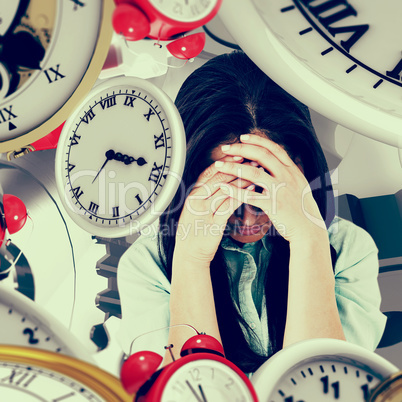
41,64
319,370
206,380
184,10
120,157
332,380
339,57
25,323
25,382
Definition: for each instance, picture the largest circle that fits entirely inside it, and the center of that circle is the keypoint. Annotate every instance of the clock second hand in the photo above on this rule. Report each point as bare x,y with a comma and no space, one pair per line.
109,156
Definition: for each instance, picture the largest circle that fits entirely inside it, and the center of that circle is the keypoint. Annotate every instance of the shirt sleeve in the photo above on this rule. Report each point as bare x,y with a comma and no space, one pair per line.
144,294
357,291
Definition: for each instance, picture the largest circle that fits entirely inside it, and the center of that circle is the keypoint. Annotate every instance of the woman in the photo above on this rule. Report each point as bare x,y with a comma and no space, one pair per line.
252,256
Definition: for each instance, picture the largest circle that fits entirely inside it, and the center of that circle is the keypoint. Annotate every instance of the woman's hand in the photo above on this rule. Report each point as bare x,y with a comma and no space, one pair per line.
286,196
205,214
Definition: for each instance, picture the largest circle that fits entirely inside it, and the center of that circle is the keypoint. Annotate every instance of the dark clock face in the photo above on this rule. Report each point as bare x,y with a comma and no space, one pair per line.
115,158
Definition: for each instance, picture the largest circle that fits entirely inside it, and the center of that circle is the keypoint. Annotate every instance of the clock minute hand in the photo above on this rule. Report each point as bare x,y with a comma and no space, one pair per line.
109,156
195,393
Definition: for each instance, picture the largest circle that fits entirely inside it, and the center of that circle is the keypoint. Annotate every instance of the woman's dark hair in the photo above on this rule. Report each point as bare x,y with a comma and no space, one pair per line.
226,97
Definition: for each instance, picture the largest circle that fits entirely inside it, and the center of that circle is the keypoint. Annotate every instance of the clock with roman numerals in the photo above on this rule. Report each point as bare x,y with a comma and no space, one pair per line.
120,157
51,53
317,370
339,57
28,374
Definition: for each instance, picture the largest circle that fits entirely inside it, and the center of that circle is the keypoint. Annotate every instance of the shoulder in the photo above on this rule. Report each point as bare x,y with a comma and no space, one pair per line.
142,260
352,244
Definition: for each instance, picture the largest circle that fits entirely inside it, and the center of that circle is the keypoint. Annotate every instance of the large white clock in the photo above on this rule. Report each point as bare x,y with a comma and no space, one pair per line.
340,57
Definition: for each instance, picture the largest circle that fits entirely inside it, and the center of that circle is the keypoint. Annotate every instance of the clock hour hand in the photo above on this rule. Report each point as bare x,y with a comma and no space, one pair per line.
195,392
109,156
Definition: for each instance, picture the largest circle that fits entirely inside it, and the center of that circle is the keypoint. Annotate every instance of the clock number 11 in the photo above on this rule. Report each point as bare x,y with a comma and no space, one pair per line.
334,385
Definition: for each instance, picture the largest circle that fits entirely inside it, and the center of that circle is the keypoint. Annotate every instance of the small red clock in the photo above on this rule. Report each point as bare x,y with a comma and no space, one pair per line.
165,20
202,374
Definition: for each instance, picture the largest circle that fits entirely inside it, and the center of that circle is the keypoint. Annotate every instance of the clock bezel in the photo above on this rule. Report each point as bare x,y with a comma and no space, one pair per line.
104,384
87,81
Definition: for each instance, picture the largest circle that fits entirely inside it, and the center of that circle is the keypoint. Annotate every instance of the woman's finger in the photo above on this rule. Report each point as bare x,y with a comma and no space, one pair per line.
277,150
263,156
255,175
248,196
230,205
211,171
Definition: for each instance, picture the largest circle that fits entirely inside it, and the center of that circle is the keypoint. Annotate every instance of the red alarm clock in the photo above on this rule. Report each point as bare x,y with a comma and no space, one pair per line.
202,374
13,215
164,20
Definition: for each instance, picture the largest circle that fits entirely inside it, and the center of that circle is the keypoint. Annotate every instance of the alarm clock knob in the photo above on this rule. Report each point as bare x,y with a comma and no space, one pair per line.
202,344
130,22
15,213
187,47
138,369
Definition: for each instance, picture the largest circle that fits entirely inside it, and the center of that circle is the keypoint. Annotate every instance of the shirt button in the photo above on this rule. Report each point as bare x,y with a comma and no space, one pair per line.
252,325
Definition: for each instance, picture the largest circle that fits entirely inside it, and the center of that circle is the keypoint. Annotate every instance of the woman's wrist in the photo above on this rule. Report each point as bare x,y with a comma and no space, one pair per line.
312,240
183,260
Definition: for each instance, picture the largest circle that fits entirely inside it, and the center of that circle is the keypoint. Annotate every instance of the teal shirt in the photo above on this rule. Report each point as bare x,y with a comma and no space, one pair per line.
145,291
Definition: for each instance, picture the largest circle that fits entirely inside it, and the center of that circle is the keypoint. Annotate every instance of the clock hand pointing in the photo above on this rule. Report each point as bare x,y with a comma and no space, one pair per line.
109,156
194,392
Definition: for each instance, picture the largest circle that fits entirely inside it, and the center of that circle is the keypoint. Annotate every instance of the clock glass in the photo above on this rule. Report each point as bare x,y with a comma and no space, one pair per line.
120,157
48,50
206,380
185,10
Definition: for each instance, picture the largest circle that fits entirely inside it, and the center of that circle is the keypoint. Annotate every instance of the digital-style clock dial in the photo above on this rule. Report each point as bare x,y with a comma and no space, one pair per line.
120,157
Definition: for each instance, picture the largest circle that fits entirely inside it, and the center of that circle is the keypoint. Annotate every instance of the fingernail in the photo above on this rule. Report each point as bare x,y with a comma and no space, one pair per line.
225,148
237,158
219,164
244,137
254,163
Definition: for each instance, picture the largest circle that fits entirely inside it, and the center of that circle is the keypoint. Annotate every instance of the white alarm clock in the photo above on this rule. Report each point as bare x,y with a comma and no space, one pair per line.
120,157
318,370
